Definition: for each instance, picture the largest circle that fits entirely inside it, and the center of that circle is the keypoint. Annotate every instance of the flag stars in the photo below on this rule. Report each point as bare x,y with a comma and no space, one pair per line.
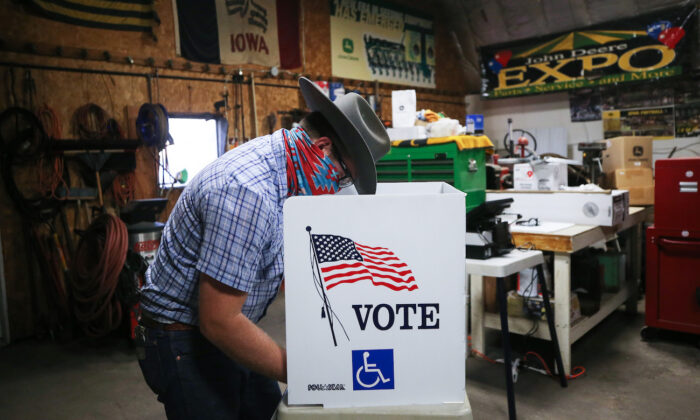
335,248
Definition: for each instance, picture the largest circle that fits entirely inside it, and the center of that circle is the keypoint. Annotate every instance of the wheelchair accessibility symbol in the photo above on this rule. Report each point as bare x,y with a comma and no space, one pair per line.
372,369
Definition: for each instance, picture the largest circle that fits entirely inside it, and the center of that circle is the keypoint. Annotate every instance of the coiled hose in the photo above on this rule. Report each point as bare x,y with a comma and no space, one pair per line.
99,259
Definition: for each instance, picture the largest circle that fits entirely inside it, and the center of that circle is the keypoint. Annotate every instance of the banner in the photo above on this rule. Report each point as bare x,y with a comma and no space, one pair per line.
130,15
637,49
240,32
371,40
657,122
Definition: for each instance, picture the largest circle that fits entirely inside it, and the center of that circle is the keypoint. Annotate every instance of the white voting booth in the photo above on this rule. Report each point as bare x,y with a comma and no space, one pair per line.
375,290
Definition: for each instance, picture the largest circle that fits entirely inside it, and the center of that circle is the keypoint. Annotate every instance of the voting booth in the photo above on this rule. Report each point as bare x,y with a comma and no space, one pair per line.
375,289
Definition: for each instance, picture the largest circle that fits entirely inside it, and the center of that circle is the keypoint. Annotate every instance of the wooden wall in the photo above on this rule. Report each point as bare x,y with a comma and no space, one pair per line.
123,91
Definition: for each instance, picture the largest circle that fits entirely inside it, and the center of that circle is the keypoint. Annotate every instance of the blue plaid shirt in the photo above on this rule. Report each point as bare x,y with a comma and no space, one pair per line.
226,224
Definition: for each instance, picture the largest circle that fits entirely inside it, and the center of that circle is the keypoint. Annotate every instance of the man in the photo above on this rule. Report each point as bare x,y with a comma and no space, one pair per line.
220,265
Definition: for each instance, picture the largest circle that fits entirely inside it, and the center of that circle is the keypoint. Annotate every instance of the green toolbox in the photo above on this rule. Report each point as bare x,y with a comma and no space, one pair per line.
443,162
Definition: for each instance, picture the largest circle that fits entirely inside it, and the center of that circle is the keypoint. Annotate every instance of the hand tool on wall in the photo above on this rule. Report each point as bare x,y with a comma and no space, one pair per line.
238,80
271,120
236,111
255,109
377,99
11,98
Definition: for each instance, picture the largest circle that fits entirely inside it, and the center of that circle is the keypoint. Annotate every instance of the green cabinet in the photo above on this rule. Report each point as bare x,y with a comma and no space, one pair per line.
464,169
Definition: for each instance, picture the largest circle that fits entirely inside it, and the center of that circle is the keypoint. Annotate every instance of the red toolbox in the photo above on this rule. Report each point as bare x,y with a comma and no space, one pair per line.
676,197
673,248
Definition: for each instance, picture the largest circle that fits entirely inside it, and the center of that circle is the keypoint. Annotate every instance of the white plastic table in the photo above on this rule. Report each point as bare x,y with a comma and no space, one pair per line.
503,266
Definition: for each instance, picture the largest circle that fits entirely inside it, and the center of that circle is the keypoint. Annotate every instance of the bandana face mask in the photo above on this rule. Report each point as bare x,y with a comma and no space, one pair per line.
309,170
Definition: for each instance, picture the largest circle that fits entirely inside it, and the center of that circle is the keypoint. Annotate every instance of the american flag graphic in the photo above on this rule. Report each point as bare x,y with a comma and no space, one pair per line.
341,260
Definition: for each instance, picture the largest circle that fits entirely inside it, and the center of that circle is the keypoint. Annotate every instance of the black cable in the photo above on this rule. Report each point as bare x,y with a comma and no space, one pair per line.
28,146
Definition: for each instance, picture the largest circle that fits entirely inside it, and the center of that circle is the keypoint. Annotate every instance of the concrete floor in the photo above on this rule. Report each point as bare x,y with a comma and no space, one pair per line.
626,379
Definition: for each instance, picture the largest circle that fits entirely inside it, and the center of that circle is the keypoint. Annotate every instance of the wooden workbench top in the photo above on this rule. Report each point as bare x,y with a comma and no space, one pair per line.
577,237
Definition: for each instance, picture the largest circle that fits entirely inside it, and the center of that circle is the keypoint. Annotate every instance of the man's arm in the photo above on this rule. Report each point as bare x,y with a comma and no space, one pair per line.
222,322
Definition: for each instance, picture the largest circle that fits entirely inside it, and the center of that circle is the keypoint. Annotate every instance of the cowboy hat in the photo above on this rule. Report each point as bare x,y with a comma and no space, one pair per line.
360,130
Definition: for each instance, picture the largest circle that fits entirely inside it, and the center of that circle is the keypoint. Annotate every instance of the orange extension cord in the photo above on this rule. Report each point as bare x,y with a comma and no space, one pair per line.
49,183
98,261
576,372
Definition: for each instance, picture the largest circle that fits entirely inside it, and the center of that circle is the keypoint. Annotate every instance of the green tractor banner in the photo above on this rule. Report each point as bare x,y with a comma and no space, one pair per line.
373,40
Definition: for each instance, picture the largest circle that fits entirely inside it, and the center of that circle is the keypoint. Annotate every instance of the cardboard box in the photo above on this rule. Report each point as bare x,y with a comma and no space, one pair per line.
627,152
474,123
358,335
633,177
407,133
606,208
641,196
534,307
639,182
403,108
542,176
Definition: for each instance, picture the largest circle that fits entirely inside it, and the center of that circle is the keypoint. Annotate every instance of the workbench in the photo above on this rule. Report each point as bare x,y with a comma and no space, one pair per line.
563,243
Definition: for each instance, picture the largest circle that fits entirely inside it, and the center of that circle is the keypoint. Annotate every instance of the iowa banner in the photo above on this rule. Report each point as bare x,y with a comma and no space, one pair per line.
371,40
264,32
643,48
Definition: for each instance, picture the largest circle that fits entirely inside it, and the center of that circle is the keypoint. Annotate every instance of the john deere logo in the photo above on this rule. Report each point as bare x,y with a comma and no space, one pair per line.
348,46
637,150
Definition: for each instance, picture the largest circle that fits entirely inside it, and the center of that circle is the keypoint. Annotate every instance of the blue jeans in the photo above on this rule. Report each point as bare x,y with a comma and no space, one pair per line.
195,380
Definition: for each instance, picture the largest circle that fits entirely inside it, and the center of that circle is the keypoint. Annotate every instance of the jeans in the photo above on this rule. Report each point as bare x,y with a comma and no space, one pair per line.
195,380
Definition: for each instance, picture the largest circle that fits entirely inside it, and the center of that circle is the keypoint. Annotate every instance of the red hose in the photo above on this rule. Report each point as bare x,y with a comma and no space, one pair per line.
98,261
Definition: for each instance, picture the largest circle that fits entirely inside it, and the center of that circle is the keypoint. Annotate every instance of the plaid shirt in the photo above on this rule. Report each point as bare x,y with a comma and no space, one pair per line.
226,224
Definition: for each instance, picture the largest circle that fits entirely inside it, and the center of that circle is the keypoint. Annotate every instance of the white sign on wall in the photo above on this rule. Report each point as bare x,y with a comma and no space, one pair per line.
375,297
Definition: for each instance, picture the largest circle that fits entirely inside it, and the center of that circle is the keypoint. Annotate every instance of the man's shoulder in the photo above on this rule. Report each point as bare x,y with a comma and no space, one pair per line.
251,167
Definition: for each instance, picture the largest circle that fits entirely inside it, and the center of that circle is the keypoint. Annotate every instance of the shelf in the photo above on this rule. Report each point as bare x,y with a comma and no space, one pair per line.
609,303
94,146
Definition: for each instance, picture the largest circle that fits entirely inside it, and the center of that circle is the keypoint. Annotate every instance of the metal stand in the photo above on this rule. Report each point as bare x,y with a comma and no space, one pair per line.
503,306
550,322
503,309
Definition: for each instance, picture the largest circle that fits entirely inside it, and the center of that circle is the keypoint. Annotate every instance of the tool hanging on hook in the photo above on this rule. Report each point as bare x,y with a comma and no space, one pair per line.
253,105
236,80
239,79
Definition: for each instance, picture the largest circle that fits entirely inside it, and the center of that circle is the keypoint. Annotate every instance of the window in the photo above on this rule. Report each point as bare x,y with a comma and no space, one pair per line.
195,145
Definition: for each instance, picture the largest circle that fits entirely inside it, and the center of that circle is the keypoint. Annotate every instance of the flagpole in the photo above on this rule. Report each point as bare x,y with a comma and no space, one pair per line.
326,305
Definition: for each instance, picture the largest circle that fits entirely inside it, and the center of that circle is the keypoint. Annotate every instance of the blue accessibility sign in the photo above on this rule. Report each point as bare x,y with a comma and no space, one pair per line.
372,369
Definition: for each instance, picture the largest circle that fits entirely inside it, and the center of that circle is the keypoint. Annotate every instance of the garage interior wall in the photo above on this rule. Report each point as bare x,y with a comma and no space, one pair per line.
551,111
121,95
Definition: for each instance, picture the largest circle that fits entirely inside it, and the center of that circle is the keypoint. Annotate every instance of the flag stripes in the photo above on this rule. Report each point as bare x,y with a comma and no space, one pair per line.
130,15
343,261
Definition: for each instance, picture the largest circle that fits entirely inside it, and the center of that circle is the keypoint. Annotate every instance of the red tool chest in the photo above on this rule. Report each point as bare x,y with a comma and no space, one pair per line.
673,248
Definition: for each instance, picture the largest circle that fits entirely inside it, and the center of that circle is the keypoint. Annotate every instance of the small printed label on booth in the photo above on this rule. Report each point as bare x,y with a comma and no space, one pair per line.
372,369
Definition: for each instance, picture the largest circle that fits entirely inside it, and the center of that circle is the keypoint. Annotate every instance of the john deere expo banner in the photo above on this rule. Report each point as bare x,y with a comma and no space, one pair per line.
372,40
647,47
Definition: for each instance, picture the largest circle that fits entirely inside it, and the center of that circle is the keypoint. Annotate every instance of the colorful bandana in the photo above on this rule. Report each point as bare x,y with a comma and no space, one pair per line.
309,171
